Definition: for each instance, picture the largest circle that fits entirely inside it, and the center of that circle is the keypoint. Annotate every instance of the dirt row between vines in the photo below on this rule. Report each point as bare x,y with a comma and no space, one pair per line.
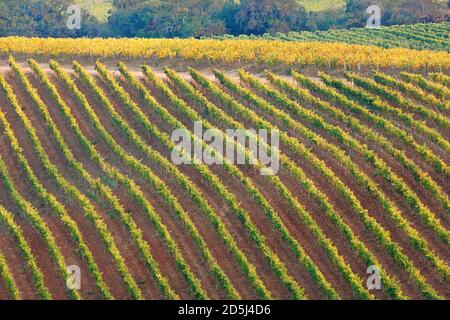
190,251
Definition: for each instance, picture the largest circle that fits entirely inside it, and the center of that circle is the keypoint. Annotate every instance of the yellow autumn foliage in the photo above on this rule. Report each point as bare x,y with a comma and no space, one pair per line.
228,51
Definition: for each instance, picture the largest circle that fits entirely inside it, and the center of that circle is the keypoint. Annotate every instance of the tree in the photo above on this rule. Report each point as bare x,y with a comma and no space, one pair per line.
13,21
268,16
169,18
40,18
396,11
420,11
126,4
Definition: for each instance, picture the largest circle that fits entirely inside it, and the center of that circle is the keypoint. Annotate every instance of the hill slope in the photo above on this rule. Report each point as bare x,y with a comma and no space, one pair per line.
428,36
88,179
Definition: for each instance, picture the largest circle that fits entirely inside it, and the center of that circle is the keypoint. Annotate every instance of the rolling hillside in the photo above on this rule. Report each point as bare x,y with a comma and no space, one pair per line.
428,36
87,176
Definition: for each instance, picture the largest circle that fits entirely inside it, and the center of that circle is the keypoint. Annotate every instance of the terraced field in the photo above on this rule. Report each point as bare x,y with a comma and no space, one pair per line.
87,179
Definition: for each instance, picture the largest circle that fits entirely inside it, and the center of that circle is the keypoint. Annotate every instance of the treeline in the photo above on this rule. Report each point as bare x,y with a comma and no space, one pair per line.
41,18
204,18
395,12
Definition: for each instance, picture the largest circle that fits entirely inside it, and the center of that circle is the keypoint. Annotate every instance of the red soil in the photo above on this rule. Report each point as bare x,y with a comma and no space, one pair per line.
188,247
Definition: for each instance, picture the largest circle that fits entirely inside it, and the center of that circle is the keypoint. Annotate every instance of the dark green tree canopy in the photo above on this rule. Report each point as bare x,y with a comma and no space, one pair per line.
396,11
169,18
204,18
268,16
40,18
